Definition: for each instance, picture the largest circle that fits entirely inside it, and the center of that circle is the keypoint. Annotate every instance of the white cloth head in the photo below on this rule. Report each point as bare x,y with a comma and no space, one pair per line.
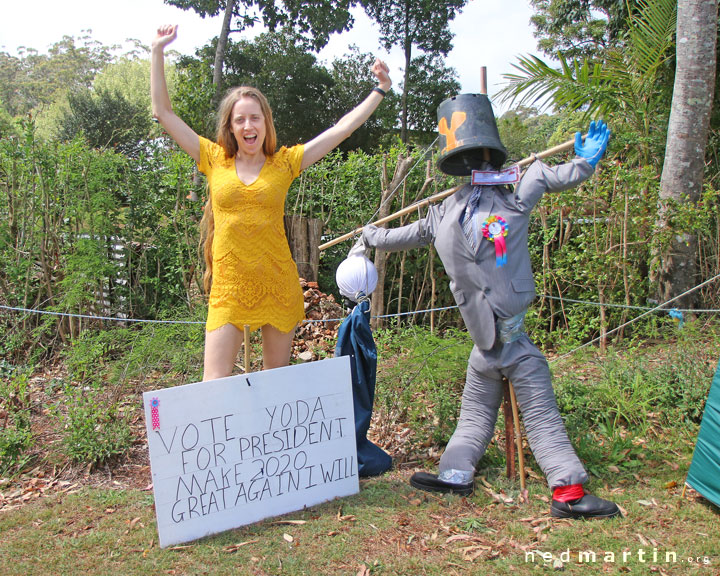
356,277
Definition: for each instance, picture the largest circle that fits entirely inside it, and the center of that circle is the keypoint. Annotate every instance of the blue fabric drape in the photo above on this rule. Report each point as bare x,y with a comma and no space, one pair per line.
355,339
704,473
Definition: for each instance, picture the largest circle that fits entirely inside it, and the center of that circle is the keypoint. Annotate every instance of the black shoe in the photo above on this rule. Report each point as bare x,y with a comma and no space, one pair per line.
588,506
431,483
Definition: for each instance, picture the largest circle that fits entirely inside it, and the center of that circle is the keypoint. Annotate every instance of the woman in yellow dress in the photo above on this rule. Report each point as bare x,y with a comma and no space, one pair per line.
254,278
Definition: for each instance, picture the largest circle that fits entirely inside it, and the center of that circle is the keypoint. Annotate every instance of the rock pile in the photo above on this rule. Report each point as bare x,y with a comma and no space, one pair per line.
316,337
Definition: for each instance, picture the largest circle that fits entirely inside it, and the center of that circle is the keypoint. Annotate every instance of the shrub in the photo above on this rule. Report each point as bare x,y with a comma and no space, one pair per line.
92,429
15,434
641,393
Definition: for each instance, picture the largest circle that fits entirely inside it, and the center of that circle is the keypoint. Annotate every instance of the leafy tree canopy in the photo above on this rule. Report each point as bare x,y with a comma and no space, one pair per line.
7,126
33,80
352,81
106,119
424,23
431,82
578,28
292,80
311,22
524,130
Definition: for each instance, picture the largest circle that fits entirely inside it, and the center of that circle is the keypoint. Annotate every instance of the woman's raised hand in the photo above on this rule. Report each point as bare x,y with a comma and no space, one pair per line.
381,71
165,35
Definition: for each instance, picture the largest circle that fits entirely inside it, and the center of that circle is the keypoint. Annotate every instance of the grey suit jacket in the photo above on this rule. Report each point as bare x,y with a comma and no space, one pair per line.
482,290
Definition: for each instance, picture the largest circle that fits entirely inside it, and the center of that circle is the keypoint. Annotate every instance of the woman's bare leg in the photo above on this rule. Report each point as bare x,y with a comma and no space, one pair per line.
221,349
276,347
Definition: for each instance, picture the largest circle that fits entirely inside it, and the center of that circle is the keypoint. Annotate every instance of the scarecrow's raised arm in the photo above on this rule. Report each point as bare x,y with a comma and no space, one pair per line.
540,178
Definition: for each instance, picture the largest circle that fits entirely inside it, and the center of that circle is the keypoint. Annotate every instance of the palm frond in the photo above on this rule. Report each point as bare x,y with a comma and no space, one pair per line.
651,35
576,85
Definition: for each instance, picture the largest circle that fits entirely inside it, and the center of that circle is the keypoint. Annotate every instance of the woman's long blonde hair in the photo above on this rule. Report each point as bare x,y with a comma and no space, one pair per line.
224,137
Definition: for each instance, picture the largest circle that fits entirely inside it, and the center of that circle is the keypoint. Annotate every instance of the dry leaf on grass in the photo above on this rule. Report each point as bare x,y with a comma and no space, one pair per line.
473,552
134,521
499,497
346,517
235,547
457,537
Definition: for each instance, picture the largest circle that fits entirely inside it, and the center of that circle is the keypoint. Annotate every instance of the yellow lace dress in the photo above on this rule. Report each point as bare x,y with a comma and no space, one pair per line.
255,280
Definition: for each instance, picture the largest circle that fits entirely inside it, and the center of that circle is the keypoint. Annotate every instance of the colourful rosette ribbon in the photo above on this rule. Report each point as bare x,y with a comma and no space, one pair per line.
495,228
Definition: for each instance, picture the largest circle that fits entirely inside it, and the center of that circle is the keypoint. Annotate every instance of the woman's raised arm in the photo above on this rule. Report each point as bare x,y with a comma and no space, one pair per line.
328,140
161,106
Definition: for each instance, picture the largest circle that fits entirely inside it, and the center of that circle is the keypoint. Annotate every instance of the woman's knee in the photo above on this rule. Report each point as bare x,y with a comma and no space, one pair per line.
221,350
277,347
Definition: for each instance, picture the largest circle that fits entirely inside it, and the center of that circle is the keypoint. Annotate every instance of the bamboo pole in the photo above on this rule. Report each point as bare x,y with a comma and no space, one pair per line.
444,194
395,215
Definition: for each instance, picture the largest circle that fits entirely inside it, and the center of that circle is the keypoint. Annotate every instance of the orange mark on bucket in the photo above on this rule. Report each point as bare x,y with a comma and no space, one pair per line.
456,120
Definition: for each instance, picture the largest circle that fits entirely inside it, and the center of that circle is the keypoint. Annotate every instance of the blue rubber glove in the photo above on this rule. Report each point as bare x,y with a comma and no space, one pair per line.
595,143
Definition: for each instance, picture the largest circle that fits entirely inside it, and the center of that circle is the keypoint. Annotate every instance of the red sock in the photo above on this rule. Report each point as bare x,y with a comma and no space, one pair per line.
568,493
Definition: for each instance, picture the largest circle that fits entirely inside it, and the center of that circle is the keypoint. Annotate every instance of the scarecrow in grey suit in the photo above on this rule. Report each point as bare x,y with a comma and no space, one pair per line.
481,236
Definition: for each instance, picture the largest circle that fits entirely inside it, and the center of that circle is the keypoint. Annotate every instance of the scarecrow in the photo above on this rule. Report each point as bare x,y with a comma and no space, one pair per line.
480,233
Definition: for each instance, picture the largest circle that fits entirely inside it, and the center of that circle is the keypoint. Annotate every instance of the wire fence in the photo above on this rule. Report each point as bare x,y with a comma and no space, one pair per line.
647,310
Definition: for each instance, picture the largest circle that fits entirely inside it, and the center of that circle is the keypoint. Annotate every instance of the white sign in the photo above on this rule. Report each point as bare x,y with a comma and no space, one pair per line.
233,451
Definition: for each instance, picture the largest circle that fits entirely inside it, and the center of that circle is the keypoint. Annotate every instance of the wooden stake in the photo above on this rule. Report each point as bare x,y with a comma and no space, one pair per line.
518,435
509,430
247,348
513,434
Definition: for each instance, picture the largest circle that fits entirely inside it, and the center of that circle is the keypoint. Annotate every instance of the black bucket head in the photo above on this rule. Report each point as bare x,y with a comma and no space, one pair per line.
466,125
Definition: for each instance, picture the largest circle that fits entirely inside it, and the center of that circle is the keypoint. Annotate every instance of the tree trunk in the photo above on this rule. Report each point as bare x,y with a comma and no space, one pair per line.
404,114
377,305
682,175
406,80
303,236
221,47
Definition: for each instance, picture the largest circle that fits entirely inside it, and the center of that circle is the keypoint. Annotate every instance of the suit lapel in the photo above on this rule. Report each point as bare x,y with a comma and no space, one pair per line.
484,209
461,199
486,204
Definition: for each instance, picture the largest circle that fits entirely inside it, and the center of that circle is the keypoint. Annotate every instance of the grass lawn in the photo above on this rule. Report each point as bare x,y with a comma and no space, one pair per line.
388,528
632,414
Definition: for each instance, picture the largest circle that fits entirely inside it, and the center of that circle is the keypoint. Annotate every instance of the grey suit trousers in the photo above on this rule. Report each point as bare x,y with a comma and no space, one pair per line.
525,366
